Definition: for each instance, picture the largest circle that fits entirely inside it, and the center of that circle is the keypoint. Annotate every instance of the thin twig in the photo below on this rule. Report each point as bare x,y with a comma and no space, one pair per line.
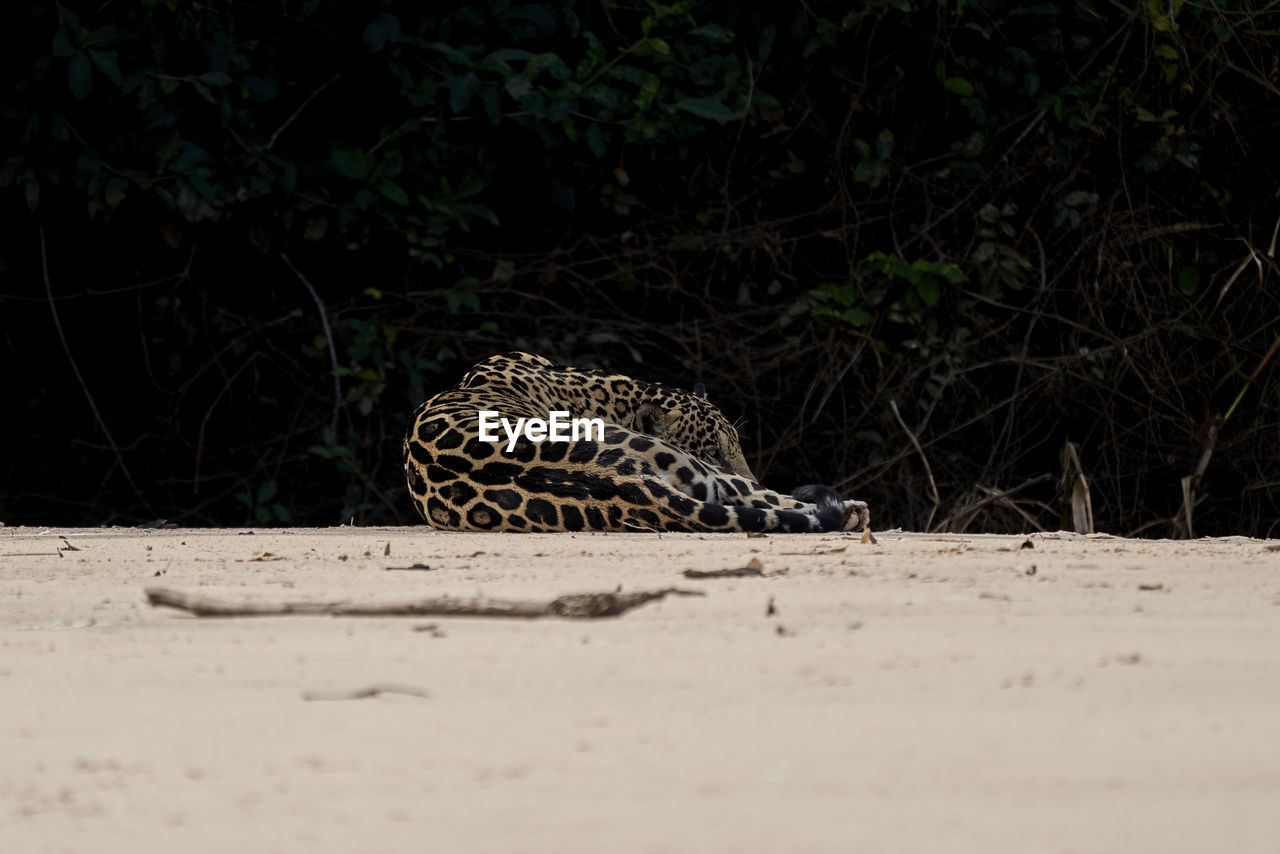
1007,430
373,487
933,487
834,384
328,334
298,111
75,369
1252,256
1256,78
208,413
733,152
993,496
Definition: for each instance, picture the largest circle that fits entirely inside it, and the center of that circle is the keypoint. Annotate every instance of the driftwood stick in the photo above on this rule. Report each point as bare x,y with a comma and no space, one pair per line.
573,606
737,572
371,691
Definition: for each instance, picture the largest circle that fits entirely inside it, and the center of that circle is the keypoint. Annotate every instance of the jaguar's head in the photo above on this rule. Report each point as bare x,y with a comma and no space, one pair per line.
694,425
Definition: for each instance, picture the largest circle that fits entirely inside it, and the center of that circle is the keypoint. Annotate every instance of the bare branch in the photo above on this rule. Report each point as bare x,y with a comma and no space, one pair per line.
571,606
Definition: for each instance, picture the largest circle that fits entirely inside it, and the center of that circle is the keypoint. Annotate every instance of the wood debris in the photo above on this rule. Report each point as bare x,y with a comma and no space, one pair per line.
571,606
362,693
753,569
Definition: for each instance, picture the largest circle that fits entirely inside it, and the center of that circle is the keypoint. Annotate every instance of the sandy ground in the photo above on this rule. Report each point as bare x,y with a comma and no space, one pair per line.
927,693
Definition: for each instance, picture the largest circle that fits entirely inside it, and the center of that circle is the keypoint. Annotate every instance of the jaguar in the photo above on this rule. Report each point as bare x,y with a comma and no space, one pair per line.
668,460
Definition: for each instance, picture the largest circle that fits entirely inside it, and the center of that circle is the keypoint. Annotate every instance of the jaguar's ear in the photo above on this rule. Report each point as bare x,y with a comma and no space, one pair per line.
651,420
699,390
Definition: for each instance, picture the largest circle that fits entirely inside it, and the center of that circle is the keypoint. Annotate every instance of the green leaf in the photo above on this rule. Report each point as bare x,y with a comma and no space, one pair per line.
870,172
190,155
852,316
1021,56
518,87
767,37
1165,51
884,144
593,58
930,291
394,192
856,317
105,62
106,35
62,46
508,54
215,78
460,91
261,89
959,85
80,76
548,62
1189,280
539,16
200,183
484,212
267,491
450,53
493,104
707,108
596,140
380,30
390,165
352,162
842,294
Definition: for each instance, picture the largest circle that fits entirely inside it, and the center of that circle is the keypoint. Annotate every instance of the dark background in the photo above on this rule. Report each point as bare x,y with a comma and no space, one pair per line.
1029,228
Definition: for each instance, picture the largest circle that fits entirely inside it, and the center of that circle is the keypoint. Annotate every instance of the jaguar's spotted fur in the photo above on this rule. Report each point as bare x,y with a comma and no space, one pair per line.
670,461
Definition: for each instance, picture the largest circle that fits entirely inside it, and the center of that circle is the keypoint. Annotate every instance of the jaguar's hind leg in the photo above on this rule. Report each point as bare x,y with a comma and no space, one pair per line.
716,485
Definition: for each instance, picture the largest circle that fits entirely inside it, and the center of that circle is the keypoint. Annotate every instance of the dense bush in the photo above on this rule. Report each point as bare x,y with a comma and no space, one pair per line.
928,250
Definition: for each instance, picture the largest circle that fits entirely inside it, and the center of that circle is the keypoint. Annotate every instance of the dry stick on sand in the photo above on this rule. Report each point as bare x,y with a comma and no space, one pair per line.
371,691
573,606
738,572
933,487
753,569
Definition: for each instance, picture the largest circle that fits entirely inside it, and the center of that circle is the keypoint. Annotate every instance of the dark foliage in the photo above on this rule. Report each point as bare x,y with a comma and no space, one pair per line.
920,247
